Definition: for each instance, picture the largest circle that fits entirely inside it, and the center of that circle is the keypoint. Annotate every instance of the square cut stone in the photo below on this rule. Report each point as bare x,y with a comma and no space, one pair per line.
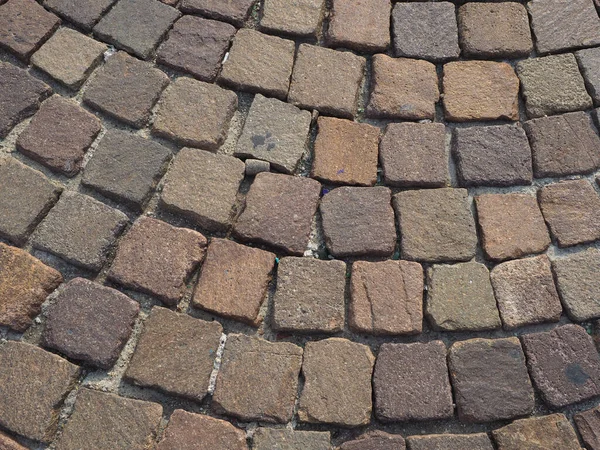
375,440
142,262
175,354
473,441
195,113
298,18
552,431
276,132
309,296
588,424
83,13
271,438
345,152
414,155
202,187
252,388
234,11
386,298
234,280
589,64
279,212
90,322
525,292
411,382
326,80
80,230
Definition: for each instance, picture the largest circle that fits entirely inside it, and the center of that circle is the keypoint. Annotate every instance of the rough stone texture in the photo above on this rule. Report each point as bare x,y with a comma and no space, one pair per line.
279,212
414,155
337,383
386,297
436,225
589,64
234,11
126,167
362,25
560,25
494,30
197,46
563,364
252,388
474,441
126,88
358,221
286,439
175,354
202,187
298,18
492,156
234,280
141,262
136,26
537,433
511,225
259,62
460,298
33,384
588,424
525,292
345,152
326,80
83,13
490,380
90,322
6,443
195,113
571,209
579,284
110,422
552,85
403,89
59,135
375,440
309,296
188,431
480,90
69,57
256,166
276,132
411,382
24,285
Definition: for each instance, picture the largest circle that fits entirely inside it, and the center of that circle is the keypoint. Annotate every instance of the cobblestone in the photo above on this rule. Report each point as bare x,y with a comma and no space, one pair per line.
300,18
270,438
234,11
588,424
589,64
83,13
6,443
375,440
474,441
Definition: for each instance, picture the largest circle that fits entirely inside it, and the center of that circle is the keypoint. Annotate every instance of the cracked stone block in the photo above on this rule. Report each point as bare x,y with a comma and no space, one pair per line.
337,383
203,187
175,354
309,296
90,322
552,431
83,13
271,438
6,443
589,64
386,298
375,440
234,11
255,388
300,18
473,441
588,424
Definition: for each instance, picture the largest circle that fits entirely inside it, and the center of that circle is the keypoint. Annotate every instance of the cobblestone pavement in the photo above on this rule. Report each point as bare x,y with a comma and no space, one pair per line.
299,225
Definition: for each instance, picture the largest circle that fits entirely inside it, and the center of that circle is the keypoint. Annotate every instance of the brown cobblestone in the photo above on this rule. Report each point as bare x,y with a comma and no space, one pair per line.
6,443
588,424
83,13
234,11
300,18
375,440
474,441
286,439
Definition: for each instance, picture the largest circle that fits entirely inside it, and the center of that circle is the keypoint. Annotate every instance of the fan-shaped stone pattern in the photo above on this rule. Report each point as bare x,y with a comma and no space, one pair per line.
270,438
375,440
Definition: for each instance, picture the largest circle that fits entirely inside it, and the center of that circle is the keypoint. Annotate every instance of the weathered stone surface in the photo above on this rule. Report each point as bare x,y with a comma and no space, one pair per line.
33,384
256,166
6,443
141,262
588,424
552,85
511,226
436,225
492,156
59,135
375,440
202,187
309,296
563,364
110,422
411,382
136,26
276,132
403,88
252,388
474,441
345,152
299,18
286,439
414,155
234,11
337,383
553,431
83,13
126,88
589,64
197,46
195,113
361,25
326,80
525,292
425,30
460,298
480,90
571,210
90,322
386,297
279,212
